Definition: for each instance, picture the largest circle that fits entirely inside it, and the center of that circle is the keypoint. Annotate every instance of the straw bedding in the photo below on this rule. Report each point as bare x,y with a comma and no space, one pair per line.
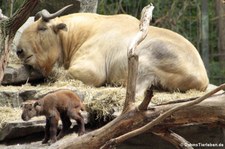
100,103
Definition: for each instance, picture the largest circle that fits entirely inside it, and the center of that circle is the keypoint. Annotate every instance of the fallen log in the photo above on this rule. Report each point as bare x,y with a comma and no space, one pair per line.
209,112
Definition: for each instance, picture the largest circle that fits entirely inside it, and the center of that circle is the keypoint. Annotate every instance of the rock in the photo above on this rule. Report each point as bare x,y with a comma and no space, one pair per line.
13,96
19,128
17,74
16,129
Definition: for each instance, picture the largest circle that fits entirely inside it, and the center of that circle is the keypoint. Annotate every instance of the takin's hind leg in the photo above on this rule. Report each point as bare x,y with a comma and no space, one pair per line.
66,125
74,114
88,72
142,84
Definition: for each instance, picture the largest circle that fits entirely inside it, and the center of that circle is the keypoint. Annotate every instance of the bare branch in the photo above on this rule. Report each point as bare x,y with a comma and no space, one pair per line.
20,17
163,116
178,141
133,58
148,96
131,82
8,28
146,17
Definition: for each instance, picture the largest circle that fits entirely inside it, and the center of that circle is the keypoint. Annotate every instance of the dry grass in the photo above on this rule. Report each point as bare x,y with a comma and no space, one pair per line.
101,102
8,114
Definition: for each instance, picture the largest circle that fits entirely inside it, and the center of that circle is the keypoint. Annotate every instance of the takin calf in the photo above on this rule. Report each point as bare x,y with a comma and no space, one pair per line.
62,104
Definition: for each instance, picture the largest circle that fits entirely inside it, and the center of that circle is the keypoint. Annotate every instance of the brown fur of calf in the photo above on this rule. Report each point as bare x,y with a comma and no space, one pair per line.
62,104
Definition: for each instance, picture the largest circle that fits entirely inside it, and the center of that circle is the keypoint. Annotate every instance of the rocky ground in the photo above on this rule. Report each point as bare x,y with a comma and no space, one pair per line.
31,143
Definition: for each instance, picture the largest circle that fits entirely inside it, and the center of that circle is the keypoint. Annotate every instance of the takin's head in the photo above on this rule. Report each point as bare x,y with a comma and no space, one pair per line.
39,45
31,108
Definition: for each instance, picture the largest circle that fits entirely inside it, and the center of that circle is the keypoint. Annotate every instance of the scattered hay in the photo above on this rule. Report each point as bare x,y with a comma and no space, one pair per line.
164,97
101,103
9,114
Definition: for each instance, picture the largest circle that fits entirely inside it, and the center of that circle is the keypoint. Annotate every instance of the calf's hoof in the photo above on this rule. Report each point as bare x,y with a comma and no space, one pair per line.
52,141
44,141
81,133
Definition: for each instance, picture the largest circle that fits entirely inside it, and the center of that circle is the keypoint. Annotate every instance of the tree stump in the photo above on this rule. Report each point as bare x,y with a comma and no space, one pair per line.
8,28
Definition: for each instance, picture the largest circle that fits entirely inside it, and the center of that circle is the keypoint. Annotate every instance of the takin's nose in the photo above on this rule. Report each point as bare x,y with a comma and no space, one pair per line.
25,118
19,52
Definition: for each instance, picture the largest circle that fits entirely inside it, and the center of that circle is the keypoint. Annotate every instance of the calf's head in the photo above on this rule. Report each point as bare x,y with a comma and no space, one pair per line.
39,45
31,108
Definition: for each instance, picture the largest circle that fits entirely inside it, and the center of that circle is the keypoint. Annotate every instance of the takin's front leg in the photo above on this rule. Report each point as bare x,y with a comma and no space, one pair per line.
53,128
89,72
47,131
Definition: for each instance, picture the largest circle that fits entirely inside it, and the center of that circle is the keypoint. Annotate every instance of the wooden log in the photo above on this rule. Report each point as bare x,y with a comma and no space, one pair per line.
211,111
178,141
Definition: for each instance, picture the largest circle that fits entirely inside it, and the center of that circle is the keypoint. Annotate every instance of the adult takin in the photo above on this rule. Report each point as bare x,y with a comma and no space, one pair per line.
93,48
61,104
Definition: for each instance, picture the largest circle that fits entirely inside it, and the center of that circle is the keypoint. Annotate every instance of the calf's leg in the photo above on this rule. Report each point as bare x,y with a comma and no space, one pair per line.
47,131
53,128
66,125
74,114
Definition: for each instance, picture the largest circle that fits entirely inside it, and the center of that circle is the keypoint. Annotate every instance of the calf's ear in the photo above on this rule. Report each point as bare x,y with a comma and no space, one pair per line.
58,27
22,105
37,106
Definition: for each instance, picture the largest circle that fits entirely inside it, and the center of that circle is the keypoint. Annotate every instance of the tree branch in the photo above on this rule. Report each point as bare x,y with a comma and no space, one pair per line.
8,28
21,15
148,96
162,117
178,141
133,58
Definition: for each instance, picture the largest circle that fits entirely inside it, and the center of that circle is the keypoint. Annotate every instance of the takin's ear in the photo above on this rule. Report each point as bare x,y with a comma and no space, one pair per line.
58,27
22,105
37,106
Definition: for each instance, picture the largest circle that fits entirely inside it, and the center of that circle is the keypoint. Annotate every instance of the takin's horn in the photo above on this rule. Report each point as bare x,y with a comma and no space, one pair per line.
46,16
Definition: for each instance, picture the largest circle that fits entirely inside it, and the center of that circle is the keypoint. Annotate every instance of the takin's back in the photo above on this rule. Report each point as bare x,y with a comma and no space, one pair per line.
62,100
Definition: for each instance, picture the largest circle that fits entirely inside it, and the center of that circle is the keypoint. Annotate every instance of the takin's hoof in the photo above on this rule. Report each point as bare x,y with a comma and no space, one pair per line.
81,133
44,141
52,141
60,136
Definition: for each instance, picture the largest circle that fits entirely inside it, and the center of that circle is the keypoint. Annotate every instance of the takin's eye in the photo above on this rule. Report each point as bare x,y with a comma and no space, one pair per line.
42,28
